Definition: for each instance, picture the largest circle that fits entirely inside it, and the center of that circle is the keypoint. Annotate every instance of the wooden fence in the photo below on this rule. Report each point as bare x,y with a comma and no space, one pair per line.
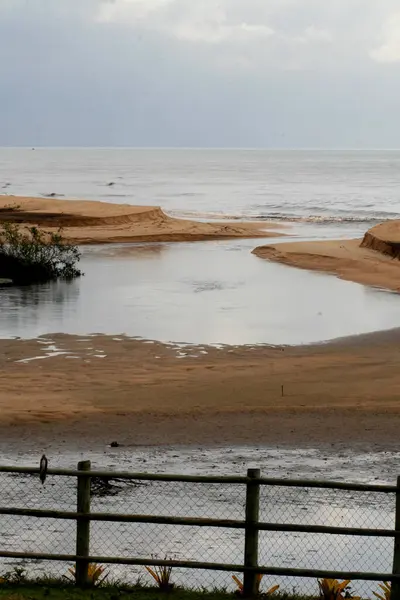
250,524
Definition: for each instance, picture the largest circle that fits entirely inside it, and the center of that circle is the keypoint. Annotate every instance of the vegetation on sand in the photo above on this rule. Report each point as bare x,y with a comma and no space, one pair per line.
31,255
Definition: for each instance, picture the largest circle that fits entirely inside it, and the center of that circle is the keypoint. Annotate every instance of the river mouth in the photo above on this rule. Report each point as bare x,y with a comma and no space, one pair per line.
203,293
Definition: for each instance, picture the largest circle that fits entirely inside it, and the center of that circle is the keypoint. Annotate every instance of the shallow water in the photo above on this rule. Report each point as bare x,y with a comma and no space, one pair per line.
277,504
205,293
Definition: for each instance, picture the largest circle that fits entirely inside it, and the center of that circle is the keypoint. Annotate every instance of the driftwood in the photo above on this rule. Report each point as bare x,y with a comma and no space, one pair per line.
110,486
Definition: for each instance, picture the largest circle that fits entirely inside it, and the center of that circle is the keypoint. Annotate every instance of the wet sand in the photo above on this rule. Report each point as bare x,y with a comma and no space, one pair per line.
348,259
90,391
86,222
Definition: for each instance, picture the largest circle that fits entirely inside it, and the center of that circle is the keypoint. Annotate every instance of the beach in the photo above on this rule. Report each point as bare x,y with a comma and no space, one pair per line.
170,356
199,300
82,397
166,343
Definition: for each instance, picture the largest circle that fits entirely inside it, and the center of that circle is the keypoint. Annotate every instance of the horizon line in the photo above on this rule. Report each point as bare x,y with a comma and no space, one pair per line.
226,148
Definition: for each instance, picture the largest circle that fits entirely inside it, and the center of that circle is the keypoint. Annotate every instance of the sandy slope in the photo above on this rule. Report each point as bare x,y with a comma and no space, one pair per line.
348,259
85,222
342,393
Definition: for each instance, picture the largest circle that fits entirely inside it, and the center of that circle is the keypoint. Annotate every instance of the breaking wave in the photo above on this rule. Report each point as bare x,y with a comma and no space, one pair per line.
372,217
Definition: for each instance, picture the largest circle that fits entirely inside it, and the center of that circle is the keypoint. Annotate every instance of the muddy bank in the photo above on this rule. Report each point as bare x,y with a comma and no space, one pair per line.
89,391
86,222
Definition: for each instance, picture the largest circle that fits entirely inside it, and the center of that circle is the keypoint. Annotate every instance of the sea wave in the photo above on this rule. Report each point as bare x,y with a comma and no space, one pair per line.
293,218
371,218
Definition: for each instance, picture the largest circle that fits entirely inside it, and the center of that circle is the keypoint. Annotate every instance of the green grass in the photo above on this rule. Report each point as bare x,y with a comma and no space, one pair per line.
41,591
47,589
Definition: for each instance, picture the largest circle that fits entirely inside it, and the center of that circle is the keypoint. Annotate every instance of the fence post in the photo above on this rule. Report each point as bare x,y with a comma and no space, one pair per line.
395,593
250,584
83,526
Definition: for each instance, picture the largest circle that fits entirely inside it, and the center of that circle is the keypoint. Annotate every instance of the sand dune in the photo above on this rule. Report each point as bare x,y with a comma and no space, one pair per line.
86,222
371,261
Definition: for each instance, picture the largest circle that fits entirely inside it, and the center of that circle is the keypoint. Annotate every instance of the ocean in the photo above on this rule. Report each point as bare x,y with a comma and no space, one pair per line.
316,186
213,292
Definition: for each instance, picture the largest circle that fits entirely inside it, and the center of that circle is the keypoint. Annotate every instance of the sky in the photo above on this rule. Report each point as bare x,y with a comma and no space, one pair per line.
200,73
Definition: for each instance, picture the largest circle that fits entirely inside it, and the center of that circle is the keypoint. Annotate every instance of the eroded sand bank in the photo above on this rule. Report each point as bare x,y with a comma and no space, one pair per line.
86,222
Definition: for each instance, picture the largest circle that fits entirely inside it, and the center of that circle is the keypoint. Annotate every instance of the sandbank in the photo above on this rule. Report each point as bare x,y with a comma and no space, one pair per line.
341,394
91,222
372,260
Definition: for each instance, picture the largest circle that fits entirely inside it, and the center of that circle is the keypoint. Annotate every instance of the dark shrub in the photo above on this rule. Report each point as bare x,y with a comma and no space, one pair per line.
35,256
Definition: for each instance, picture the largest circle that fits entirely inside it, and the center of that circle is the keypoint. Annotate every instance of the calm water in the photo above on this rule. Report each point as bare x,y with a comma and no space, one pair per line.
214,292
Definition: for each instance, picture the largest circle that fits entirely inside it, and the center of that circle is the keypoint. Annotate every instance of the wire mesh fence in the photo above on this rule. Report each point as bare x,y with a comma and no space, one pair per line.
327,507
179,542
278,504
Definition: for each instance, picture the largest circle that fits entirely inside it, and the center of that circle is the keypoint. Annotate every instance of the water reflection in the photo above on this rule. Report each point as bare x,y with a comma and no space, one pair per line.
211,292
33,295
24,308
127,251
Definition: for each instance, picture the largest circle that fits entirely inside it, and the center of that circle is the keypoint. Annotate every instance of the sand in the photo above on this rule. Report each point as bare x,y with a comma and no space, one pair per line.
87,222
341,394
366,261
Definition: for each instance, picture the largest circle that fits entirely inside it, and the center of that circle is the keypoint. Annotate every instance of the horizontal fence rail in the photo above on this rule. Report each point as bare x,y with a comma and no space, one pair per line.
196,522
303,483
251,525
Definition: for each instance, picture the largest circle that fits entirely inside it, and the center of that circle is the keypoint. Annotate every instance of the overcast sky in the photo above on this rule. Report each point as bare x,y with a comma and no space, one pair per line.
225,73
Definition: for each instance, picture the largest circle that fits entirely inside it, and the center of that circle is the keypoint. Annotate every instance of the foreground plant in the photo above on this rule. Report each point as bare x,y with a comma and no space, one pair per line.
31,255
162,576
95,573
332,589
16,575
259,579
386,588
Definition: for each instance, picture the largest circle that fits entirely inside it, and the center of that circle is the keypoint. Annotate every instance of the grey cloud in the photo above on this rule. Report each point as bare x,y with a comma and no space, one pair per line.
69,77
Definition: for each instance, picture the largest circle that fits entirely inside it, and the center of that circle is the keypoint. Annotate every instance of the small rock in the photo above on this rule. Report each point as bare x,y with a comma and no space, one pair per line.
114,445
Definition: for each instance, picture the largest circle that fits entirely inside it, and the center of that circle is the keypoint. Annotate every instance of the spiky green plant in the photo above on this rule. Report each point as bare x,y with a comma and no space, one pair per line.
95,573
386,588
162,576
259,579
